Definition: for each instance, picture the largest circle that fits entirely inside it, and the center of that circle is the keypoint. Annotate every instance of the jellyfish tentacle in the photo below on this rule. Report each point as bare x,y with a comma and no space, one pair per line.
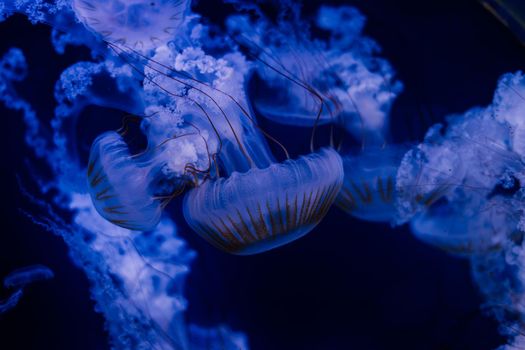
237,140
243,110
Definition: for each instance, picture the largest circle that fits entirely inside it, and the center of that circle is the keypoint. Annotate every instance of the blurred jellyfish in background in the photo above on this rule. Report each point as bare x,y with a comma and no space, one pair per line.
467,198
462,184
325,73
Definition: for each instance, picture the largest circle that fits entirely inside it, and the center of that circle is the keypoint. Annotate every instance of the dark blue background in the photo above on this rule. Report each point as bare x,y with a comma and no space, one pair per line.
348,284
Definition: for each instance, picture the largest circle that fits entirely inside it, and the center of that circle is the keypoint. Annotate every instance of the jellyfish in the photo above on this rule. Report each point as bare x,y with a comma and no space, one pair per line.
265,207
118,185
369,188
136,24
340,81
131,190
461,189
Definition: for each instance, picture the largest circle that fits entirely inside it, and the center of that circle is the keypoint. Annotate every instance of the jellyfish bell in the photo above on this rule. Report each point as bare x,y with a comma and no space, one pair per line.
369,186
263,208
119,186
137,24
131,191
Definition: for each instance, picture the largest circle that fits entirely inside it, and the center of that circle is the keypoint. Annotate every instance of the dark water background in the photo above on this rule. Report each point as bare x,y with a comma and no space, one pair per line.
346,285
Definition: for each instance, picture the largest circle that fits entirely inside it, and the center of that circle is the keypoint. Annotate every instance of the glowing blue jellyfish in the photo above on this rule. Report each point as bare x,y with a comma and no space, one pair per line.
135,24
314,82
128,190
450,202
369,189
263,208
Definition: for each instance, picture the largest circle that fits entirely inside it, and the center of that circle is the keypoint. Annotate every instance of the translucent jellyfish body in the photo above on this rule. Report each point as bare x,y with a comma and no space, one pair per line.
126,190
369,187
261,209
136,24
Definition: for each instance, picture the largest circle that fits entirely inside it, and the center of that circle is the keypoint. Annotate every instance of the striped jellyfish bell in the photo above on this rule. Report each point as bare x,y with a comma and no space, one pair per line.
261,209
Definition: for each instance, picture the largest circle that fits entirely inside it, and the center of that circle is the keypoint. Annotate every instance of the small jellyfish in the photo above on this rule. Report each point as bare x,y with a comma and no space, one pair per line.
135,24
27,275
263,208
129,190
369,187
